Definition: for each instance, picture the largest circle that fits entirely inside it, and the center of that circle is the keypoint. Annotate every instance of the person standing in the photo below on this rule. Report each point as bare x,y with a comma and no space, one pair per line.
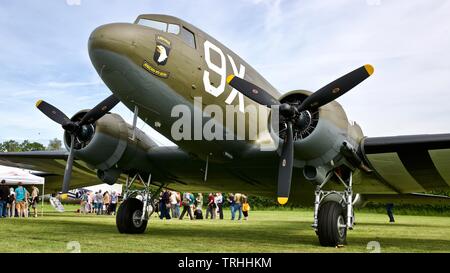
20,200
199,201
99,198
90,202
198,213
84,203
211,207
114,199
106,202
191,202
245,207
94,200
389,207
165,205
237,206
11,207
27,203
219,202
4,194
186,202
231,203
34,199
174,204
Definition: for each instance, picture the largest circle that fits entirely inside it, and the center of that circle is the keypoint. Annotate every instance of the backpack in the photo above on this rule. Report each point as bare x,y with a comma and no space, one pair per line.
198,214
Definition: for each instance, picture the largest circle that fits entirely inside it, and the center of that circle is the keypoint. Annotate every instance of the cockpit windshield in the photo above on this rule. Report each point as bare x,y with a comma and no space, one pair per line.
161,26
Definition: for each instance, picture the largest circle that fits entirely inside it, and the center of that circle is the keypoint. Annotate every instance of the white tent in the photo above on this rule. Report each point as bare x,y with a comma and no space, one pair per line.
13,176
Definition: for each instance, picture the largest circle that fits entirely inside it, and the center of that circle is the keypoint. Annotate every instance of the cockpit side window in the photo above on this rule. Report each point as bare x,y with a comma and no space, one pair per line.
153,24
175,29
161,26
185,34
188,37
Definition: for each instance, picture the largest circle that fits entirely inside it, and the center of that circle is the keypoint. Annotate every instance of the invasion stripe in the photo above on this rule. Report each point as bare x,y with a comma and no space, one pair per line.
420,165
441,159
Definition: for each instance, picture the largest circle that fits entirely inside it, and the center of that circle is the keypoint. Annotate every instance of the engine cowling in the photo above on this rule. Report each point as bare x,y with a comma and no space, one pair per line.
105,144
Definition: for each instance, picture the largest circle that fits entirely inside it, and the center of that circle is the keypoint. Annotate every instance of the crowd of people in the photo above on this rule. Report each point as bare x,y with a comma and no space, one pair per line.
16,202
19,202
99,203
170,203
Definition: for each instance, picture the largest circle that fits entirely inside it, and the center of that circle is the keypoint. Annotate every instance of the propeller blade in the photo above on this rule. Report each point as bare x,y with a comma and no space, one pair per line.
99,110
285,167
337,88
68,170
52,112
252,91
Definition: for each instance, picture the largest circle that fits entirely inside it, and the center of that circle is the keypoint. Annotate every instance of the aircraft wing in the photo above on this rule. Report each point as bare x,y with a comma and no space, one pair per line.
414,163
51,165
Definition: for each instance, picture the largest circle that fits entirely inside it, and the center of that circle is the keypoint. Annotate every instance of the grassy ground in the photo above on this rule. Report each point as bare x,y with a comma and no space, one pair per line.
265,231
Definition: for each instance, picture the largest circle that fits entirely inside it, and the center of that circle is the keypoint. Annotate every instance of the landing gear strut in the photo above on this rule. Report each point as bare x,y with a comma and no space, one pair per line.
333,212
137,207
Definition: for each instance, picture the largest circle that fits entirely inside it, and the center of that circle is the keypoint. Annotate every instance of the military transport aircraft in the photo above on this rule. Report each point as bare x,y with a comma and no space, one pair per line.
160,62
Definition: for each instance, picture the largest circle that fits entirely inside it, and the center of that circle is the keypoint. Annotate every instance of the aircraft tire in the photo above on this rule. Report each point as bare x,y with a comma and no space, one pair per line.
331,216
127,217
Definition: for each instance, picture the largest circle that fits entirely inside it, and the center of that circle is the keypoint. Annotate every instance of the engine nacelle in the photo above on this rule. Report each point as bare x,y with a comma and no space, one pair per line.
105,144
319,143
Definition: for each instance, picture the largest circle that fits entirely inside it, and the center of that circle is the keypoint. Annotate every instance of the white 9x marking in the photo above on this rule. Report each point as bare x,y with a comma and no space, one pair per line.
222,71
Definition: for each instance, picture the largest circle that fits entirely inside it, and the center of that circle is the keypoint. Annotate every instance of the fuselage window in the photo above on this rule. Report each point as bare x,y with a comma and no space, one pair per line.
175,29
188,36
153,24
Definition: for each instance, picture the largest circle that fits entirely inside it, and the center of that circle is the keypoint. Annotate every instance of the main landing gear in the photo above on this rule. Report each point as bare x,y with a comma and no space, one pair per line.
333,212
136,208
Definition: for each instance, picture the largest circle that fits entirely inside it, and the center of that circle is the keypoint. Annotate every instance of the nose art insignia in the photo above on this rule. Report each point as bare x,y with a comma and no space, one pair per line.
162,50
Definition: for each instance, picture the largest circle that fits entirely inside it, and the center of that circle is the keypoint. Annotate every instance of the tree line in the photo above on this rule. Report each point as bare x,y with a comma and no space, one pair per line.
28,146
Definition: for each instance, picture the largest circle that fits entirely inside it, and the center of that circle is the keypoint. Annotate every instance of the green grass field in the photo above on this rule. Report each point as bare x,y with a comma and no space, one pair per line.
265,231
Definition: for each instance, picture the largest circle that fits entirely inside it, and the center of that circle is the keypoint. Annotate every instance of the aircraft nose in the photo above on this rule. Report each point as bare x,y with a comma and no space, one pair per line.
119,38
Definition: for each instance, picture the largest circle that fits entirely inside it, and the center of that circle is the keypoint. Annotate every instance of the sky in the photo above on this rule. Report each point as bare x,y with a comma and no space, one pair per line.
293,44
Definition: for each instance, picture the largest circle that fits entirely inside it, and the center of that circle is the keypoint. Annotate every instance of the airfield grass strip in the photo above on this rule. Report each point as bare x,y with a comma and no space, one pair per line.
265,231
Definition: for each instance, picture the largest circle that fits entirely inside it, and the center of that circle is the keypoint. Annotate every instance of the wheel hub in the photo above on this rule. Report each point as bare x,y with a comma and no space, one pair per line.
341,226
137,218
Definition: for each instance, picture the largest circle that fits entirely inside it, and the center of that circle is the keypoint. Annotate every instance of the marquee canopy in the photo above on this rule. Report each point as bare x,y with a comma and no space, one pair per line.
13,176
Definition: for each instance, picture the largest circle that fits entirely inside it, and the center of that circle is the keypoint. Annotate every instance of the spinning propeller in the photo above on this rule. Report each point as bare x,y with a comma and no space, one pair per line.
298,115
78,129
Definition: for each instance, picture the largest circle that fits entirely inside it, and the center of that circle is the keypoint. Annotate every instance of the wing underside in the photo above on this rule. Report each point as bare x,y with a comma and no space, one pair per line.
51,165
416,163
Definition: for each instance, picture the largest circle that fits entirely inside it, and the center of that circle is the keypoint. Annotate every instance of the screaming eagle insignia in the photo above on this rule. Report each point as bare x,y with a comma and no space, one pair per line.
162,50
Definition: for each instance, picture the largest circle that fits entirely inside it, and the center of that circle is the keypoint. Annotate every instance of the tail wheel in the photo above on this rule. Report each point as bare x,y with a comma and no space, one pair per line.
128,219
332,228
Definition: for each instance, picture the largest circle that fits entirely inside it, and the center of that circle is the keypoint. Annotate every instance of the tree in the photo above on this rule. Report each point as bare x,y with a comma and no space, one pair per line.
10,146
54,145
26,146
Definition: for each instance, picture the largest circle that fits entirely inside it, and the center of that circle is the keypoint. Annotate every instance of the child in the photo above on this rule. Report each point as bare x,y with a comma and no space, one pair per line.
245,208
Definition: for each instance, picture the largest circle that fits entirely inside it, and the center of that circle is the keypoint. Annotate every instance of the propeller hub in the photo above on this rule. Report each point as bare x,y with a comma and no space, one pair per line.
287,110
71,127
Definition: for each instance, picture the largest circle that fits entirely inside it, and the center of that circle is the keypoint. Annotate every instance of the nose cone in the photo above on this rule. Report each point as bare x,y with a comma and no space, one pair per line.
118,38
